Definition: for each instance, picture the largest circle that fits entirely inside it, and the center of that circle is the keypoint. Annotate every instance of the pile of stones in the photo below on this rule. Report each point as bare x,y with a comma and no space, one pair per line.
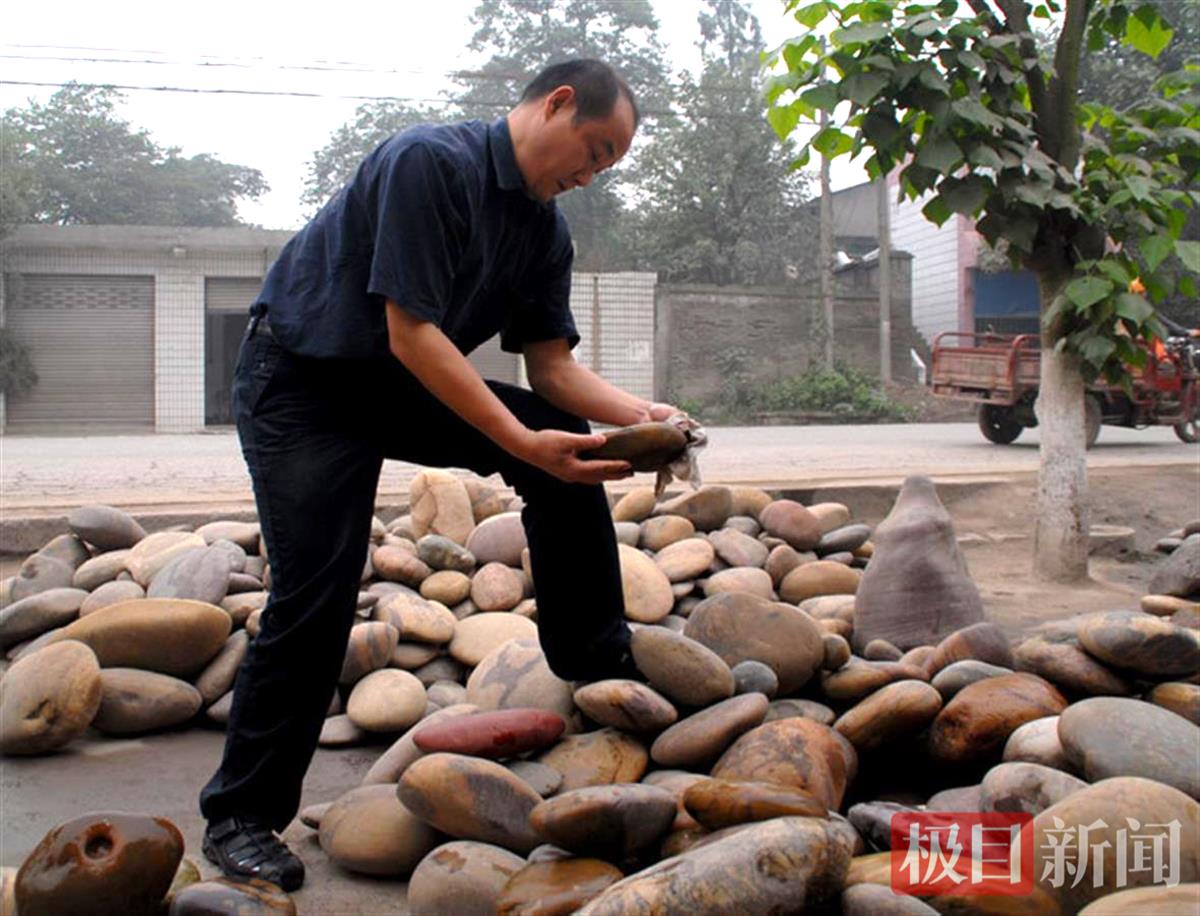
805,680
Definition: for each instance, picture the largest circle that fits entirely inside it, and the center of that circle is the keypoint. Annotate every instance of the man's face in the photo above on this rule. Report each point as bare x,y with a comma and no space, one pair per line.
566,153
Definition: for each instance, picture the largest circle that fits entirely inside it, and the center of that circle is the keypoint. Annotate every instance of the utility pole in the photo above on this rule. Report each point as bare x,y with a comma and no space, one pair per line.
885,281
826,254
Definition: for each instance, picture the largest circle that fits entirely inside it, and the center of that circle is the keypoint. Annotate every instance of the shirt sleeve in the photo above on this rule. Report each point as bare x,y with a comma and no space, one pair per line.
418,207
542,310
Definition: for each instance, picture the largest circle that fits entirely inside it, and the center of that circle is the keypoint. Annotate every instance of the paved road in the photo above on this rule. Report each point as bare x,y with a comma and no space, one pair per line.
43,473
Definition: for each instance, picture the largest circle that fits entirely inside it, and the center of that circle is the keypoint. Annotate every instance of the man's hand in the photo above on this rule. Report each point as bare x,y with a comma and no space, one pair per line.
658,411
556,453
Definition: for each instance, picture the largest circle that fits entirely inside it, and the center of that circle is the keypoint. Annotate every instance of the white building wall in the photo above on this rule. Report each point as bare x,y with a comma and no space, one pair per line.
936,274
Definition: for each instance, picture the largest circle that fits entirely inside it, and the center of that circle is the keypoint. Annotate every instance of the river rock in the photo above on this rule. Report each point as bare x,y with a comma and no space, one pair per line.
746,579
1114,736
720,803
442,554
627,533
555,888
461,878
681,668
984,642
440,505
685,559
1026,787
959,798
471,799
706,508
390,766
169,635
134,701
498,539
371,831
788,864
1160,900
1038,742
702,737
48,698
916,590
792,707
975,724
111,593
613,822
29,617
104,527
957,675
662,531
387,700
41,574
153,552
782,559
496,587
225,897
93,573
67,549
857,678
739,626
892,712
340,731
244,534
738,549
243,605
496,733
1113,803
647,590
1058,659
821,577
370,647
446,586
101,863
480,634
544,780
879,900
880,650
217,677
416,619
625,704
602,757
792,522
634,506
201,574
873,821
516,675
754,677
1182,699
397,564
486,500
1166,605
843,538
1142,644
799,753
1179,574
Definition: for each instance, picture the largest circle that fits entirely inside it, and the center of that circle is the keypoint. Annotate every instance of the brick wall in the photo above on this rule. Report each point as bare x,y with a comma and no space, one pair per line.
698,327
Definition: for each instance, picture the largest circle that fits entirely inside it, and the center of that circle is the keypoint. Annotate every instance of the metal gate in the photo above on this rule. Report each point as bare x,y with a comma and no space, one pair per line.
91,341
226,314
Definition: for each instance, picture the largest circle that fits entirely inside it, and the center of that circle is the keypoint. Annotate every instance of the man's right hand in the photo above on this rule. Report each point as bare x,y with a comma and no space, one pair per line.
557,453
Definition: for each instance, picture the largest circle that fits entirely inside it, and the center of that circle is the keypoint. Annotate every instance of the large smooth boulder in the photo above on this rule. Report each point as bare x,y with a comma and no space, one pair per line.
136,701
48,697
461,878
441,505
916,589
1179,574
105,527
977,722
370,831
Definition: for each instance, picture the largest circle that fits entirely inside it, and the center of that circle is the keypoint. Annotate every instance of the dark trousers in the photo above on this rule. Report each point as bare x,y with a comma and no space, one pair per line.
314,434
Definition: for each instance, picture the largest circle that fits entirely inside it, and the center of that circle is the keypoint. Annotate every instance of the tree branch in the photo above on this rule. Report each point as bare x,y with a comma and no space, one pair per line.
982,9
1017,21
1064,85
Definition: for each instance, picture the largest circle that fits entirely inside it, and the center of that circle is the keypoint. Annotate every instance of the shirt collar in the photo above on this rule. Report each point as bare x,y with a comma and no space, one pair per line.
504,159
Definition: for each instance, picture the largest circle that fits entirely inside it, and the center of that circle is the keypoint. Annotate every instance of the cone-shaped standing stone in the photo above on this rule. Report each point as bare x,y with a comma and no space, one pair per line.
101,863
916,590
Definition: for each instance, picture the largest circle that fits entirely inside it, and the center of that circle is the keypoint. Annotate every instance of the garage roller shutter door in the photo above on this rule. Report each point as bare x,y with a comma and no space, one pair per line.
91,340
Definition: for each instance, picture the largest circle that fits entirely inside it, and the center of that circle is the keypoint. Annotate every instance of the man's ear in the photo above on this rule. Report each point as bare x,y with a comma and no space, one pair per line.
558,99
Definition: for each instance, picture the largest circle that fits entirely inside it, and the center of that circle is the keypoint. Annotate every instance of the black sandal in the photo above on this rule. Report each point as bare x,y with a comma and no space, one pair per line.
244,849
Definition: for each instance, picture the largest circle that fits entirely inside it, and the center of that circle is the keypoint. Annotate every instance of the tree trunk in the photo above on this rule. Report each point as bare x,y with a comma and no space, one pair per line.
1060,544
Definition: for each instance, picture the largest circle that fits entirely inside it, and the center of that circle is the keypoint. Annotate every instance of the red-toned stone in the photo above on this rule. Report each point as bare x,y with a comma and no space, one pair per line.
494,734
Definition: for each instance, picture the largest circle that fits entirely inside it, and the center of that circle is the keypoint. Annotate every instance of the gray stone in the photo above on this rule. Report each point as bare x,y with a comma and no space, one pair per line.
104,527
1179,573
1029,788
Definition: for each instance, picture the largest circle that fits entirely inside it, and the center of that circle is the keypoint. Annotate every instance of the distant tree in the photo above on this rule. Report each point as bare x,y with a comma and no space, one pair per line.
334,164
520,37
73,161
721,204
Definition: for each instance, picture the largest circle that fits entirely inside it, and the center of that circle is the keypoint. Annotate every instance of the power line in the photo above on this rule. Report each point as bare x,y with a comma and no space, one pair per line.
715,116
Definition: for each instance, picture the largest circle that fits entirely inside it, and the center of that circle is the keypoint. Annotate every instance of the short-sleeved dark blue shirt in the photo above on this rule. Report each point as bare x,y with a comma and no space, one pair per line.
438,220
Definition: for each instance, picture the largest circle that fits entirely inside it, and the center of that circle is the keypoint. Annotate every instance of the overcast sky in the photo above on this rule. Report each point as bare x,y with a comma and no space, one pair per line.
332,52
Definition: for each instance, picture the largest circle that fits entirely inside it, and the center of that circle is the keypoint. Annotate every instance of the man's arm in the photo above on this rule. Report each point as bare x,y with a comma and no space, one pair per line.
430,356
555,375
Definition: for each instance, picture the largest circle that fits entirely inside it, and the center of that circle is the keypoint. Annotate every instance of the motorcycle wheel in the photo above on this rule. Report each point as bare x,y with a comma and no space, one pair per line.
998,424
1188,432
